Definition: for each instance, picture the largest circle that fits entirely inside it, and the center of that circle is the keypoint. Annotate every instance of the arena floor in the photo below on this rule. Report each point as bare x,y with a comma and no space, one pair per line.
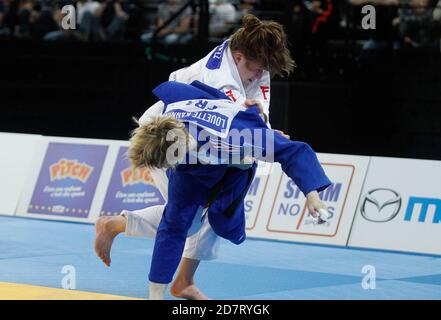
34,252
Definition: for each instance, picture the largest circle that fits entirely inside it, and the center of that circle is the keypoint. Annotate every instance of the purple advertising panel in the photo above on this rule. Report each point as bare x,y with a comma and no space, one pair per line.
129,189
68,179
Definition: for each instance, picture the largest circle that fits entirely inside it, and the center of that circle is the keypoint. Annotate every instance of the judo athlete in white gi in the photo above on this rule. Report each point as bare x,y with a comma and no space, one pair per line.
239,68
215,180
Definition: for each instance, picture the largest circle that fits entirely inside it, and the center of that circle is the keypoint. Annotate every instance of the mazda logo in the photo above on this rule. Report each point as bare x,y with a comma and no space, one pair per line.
380,205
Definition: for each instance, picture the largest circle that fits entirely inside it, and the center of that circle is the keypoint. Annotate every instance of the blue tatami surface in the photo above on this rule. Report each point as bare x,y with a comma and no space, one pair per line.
35,252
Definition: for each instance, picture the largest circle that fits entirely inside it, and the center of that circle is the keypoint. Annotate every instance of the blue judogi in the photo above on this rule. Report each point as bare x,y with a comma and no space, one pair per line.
194,185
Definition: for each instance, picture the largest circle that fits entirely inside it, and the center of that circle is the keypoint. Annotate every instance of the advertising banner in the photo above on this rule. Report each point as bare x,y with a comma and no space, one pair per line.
64,179
68,179
257,194
17,157
400,207
284,214
129,189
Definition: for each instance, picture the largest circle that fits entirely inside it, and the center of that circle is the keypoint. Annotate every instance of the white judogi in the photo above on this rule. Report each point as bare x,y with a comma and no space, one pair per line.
217,70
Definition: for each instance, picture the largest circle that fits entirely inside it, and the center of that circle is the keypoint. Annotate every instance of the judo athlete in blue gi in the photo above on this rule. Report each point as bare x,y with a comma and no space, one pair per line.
214,179
242,68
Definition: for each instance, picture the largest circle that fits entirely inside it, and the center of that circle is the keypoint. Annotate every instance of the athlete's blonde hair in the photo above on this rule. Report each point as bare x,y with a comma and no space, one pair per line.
263,41
150,143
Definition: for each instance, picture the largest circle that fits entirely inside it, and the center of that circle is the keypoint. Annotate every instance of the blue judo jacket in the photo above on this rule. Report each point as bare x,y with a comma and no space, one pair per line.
193,185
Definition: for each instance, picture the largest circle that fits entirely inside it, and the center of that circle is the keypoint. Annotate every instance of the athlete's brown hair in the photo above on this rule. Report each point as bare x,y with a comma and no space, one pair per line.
263,41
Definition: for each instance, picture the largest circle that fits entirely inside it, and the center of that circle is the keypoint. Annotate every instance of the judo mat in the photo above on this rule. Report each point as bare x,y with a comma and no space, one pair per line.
37,255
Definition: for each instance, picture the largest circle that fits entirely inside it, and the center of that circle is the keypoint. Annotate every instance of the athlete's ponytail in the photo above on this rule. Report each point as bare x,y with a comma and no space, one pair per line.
263,41
161,143
250,22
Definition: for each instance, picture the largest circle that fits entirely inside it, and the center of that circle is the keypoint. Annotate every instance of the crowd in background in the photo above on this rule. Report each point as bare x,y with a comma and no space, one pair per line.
399,23
404,23
41,19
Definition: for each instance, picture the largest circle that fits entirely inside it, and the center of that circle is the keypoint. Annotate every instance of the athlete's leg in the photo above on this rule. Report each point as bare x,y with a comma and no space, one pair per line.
183,285
144,222
203,245
170,242
157,290
107,228
140,223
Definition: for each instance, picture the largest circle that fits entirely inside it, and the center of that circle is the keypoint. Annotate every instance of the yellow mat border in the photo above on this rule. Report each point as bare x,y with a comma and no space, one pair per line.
15,291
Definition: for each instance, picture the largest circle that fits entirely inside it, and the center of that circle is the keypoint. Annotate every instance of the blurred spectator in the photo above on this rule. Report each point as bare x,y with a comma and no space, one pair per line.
9,16
83,8
318,17
112,18
437,12
26,16
223,17
320,11
179,30
95,21
3,29
60,34
416,24
299,26
42,19
246,6
86,8
385,34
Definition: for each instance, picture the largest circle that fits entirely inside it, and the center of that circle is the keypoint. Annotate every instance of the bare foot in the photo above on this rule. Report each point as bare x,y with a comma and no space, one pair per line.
186,291
107,228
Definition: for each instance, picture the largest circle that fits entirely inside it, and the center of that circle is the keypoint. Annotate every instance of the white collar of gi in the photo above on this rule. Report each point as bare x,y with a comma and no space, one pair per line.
234,71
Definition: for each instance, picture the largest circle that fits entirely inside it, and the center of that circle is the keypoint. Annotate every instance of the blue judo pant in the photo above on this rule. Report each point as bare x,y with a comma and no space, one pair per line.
189,188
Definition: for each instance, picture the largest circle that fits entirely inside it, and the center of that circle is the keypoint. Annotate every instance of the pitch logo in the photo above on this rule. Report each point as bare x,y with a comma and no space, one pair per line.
73,169
130,177
381,205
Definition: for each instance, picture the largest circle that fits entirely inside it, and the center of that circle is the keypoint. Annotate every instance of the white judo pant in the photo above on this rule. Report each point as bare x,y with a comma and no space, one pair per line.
202,242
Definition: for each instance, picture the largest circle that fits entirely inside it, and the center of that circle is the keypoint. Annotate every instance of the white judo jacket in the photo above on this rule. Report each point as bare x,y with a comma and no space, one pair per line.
219,70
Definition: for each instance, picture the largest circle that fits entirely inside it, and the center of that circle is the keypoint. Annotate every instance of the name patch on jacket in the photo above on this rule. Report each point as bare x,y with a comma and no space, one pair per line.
215,116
